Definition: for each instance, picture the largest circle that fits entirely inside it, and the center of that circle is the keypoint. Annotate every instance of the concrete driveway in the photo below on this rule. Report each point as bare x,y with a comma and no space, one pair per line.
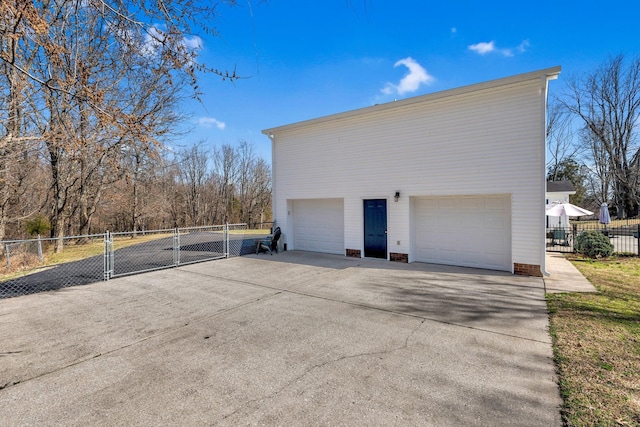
291,339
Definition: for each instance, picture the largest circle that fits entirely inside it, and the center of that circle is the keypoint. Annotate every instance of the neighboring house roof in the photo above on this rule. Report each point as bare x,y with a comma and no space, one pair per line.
560,187
547,73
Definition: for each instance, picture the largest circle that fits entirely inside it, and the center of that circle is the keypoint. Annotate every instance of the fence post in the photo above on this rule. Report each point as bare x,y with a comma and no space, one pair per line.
112,256
226,240
107,256
6,247
573,240
638,239
176,246
40,250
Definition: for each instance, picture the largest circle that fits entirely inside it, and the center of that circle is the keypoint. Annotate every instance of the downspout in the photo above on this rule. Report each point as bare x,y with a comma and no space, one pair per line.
272,138
545,94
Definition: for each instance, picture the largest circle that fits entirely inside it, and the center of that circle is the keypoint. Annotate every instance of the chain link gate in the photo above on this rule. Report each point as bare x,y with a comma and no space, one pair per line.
32,266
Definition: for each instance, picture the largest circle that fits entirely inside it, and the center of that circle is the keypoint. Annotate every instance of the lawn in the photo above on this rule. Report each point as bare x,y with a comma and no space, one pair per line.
597,345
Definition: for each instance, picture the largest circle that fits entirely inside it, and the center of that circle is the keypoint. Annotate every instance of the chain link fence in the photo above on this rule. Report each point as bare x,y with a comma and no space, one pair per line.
152,250
201,244
242,237
32,266
37,265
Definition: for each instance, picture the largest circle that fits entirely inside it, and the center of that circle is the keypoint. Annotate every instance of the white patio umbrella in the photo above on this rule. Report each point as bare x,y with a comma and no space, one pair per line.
560,209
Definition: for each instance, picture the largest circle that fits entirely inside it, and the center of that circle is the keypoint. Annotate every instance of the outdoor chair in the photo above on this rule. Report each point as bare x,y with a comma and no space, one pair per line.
269,243
559,237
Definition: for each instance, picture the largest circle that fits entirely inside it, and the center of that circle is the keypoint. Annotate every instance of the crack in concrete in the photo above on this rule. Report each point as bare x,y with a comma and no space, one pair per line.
324,364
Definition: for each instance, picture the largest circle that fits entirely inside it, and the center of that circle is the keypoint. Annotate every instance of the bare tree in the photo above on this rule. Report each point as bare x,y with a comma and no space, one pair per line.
18,144
254,184
608,103
105,76
193,166
560,138
601,177
89,91
140,177
242,184
225,174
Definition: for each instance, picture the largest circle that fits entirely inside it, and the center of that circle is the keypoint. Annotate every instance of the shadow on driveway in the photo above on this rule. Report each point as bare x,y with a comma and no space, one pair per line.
448,294
288,339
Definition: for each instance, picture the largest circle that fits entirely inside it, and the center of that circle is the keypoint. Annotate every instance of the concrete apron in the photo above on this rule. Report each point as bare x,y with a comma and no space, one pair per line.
563,276
290,339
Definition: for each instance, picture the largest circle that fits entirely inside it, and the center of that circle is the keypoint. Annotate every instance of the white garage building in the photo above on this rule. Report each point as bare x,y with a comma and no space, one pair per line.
455,177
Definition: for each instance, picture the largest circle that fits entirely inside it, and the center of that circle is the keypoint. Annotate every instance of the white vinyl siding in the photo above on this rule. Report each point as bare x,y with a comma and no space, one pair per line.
488,140
318,225
467,231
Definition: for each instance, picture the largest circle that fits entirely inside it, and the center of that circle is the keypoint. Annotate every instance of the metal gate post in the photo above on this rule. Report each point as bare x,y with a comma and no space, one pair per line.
226,239
6,248
112,256
176,246
40,250
107,257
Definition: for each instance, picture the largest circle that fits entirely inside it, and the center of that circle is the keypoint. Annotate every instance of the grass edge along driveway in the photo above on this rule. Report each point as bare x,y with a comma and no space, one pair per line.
596,344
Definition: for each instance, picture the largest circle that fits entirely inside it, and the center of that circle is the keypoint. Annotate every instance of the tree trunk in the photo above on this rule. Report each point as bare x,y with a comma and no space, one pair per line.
58,226
2,233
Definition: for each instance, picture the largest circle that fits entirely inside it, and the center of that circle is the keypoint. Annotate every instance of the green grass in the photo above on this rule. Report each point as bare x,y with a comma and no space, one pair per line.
596,341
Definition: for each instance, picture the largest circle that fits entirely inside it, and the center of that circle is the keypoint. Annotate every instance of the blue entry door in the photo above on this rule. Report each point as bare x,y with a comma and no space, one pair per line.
375,228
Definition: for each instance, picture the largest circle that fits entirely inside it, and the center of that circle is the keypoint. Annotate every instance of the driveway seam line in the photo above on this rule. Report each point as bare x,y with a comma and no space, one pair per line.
355,304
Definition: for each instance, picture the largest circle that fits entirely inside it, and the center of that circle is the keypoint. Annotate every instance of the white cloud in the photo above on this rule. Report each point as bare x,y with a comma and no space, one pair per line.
152,41
193,43
453,30
484,48
523,46
209,122
411,82
155,37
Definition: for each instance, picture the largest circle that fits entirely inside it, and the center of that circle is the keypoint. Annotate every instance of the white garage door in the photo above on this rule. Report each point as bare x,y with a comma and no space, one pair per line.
472,231
318,225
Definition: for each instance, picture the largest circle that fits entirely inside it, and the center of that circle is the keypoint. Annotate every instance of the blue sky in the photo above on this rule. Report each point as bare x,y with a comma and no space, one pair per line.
303,60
